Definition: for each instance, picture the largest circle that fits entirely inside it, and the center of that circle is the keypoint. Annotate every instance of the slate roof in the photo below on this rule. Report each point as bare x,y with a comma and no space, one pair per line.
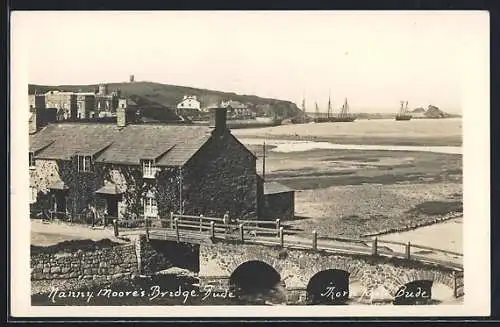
71,139
37,144
169,145
275,187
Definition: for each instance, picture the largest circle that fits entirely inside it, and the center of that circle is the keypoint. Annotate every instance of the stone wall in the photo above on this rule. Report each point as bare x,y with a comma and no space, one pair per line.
150,258
123,261
372,278
222,177
107,263
44,173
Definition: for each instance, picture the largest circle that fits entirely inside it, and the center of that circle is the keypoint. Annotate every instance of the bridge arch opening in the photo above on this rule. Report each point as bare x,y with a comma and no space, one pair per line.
418,292
257,282
329,287
442,293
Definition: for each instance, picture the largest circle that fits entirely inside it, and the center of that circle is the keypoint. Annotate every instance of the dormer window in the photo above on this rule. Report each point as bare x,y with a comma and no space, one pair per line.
148,168
32,160
84,163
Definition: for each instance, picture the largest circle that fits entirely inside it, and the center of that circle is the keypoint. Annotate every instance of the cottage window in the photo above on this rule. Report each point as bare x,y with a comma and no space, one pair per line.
150,207
148,169
31,160
84,163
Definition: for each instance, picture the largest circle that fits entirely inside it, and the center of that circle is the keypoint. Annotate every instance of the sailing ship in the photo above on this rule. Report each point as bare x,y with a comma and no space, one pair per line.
343,116
403,112
318,118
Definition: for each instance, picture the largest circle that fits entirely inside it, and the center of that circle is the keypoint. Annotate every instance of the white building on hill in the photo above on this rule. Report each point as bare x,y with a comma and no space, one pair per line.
189,102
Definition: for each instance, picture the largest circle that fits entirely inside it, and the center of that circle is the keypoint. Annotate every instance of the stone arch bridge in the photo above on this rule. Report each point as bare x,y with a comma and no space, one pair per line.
370,279
370,270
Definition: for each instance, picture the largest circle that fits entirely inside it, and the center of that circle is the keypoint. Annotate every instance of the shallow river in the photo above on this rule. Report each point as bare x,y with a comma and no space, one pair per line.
298,146
447,235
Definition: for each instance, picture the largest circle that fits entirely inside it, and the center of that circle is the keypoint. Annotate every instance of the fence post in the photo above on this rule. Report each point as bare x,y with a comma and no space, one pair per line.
115,227
315,240
278,225
147,228
408,255
201,222
171,220
242,233
176,223
212,229
374,247
282,240
455,293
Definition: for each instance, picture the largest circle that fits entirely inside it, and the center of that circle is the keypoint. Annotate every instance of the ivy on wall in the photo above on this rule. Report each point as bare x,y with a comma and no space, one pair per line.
83,185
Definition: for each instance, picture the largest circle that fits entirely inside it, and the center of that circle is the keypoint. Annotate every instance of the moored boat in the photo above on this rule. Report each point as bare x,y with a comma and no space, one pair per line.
344,116
403,112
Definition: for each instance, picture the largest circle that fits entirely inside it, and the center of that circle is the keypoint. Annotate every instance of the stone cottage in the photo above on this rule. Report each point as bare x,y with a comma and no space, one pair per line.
129,171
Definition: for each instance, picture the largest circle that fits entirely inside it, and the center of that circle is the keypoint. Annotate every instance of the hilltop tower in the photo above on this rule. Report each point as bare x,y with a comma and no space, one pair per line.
131,78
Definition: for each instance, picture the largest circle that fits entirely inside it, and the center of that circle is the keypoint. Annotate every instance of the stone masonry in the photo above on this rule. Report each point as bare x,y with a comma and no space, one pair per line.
117,262
369,276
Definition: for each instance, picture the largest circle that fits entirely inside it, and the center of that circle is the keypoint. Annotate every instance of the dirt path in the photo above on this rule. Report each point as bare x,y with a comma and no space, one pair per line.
44,234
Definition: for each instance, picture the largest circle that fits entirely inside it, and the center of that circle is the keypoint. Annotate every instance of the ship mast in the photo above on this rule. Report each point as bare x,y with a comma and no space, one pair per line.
345,108
317,109
401,110
329,106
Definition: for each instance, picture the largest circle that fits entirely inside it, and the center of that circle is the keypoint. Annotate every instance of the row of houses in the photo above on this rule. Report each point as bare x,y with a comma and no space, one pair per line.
191,102
129,170
102,103
78,105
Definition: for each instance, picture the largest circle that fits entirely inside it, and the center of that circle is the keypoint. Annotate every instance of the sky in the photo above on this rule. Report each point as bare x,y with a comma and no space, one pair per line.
374,59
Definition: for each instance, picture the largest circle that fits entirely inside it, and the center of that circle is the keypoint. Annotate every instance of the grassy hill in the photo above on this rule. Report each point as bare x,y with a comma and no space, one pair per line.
170,95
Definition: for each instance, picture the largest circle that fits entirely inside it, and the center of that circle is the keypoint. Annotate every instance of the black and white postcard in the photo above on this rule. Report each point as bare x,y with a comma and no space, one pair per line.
250,164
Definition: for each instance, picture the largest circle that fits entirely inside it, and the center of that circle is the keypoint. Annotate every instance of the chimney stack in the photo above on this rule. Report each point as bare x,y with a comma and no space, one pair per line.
33,122
220,121
38,119
121,113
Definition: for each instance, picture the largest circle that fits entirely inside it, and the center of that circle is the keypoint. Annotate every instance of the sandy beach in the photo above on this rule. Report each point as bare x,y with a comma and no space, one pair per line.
354,191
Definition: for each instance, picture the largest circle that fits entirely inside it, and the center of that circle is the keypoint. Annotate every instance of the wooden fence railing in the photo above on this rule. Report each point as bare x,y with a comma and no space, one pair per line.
272,233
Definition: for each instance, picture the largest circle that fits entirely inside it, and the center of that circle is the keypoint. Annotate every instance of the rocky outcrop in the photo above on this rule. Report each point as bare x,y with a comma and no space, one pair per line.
435,112
418,110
